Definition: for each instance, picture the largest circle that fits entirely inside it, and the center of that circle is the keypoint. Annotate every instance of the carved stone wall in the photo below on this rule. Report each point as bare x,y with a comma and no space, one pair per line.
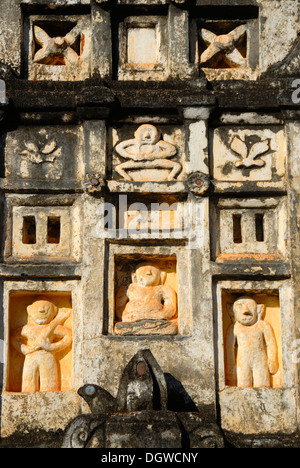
149,222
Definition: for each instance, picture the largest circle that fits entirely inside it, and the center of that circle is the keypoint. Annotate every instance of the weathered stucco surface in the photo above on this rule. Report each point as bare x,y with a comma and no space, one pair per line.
149,180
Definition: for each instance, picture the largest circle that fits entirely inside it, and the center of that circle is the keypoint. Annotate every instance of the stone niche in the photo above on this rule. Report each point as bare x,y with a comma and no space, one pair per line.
143,51
256,372
168,218
268,310
49,230
146,292
50,366
37,408
44,153
147,153
225,47
152,218
250,228
243,154
58,48
146,299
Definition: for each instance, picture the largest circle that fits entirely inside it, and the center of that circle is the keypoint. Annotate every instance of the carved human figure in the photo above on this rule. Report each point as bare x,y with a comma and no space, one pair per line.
39,341
250,348
147,151
147,297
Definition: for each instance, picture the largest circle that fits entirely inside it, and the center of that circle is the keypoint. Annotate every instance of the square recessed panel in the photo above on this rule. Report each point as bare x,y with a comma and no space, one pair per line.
58,48
248,153
250,228
141,45
143,48
46,231
122,262
225,47
44,153
42,231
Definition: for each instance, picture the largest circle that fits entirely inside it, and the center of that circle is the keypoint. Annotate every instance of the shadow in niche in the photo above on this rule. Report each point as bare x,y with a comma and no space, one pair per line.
2,226
178,399
1,347
2,154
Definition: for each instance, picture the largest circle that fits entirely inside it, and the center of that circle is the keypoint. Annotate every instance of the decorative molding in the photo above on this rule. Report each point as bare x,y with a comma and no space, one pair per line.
198,183
94,183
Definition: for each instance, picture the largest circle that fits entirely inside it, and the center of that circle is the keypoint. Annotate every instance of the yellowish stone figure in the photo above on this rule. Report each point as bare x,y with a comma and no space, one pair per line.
147,301
39,341
250,348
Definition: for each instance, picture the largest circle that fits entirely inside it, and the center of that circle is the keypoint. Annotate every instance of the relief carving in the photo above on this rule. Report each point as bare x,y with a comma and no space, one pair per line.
40,341
56,50
94,183
224,45
147,305
250,347
198,183
147,151
47,153
59,47
249,156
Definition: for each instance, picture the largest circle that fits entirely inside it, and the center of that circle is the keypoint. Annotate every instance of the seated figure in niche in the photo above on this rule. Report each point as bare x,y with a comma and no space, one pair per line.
250,348
147,305
147,151
39,341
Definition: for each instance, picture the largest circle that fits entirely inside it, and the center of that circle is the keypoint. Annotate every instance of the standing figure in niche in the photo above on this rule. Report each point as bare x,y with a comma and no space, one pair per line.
39,341
147,301
251,348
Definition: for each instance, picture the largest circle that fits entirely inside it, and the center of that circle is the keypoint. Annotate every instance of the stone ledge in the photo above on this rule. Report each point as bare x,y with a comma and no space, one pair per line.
44,270
116,186
40,186
248,187
242,269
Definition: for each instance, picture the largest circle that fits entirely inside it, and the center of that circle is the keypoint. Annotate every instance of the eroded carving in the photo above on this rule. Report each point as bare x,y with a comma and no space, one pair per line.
147,305
198,183
140,414
249,156
94,183
47,153
251,347
248,153
224,45
56,50
39,341
59,47
147,151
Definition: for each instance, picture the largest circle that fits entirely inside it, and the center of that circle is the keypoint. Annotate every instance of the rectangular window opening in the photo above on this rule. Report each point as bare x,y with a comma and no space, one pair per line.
53,230
29,230
259,227
237,229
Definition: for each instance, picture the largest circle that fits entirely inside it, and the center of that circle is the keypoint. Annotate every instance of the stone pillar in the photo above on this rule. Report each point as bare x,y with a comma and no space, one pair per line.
293,132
